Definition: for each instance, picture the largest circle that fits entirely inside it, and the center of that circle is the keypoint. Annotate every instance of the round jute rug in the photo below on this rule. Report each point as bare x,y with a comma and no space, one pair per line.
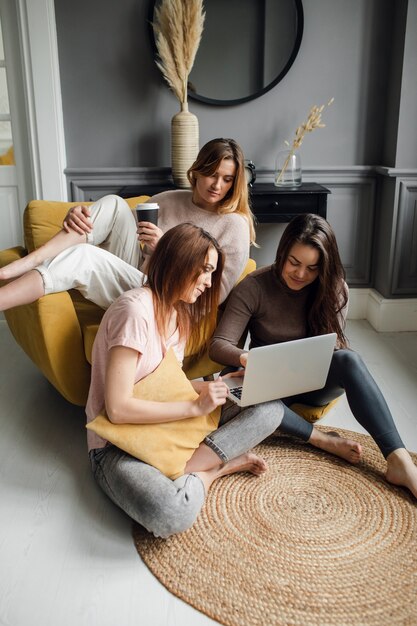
314,541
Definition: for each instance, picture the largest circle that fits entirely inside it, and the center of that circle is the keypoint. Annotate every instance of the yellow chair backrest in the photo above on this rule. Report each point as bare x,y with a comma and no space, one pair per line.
43,219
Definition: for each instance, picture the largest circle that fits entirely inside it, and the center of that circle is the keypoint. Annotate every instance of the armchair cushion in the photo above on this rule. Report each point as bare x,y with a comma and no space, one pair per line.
313,414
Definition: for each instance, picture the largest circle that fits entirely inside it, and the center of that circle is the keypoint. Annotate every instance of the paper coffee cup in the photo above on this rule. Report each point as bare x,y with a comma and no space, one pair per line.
147,212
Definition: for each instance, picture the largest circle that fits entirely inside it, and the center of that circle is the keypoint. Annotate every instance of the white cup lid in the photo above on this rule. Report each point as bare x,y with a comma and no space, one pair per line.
148,205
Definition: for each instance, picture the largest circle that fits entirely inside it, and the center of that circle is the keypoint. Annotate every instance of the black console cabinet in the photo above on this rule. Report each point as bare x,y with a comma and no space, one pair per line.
273,204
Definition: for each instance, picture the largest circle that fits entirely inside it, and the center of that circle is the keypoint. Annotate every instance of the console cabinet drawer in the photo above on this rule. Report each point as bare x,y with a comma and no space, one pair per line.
273,204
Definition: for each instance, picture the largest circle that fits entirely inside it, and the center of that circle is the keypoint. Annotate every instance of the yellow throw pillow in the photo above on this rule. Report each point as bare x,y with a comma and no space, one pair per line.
169,445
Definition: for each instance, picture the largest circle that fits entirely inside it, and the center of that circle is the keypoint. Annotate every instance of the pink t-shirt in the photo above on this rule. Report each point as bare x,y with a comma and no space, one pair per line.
130,322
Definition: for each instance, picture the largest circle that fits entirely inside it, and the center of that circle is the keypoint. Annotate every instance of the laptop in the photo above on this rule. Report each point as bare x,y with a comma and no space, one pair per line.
283,369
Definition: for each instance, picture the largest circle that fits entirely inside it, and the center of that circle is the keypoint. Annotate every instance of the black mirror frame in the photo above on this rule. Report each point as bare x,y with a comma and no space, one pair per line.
261,92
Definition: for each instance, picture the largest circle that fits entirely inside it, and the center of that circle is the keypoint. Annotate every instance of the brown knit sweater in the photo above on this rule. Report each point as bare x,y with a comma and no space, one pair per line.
265,306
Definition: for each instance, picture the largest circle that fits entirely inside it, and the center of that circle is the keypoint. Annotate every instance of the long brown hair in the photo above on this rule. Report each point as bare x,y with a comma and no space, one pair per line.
175,265
329,294
208,161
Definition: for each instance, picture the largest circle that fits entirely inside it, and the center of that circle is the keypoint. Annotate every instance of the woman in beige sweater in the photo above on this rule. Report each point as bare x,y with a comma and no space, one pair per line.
217,201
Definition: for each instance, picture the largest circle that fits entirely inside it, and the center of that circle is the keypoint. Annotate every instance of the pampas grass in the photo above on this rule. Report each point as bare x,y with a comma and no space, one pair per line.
178,26
313,121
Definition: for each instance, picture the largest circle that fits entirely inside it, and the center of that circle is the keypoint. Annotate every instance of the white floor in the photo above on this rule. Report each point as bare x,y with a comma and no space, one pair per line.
66,553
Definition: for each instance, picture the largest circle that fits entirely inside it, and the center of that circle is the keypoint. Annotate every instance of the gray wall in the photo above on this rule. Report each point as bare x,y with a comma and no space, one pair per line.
117,109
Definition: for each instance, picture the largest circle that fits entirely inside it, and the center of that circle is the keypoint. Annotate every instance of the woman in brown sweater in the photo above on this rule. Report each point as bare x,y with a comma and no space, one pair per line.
302,294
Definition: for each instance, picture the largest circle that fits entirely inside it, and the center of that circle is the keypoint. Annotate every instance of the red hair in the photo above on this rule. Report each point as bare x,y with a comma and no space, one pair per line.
175,265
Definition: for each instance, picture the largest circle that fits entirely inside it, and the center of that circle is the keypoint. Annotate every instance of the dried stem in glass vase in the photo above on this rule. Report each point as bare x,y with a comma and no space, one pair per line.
313,121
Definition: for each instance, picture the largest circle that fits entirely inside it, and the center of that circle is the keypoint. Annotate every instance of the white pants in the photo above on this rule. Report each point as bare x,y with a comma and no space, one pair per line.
106,266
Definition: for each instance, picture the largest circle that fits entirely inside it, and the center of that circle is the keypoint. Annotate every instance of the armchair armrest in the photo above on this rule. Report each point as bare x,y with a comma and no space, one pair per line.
11,254
49,332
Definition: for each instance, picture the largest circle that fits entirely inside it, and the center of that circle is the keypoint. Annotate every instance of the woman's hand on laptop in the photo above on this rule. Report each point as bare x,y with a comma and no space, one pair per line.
240,373
243,359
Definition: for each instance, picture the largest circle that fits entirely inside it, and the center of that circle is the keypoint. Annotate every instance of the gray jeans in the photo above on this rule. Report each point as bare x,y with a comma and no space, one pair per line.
164,506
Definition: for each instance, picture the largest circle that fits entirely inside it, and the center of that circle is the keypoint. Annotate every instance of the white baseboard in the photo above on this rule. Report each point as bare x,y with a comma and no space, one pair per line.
358,304
384,315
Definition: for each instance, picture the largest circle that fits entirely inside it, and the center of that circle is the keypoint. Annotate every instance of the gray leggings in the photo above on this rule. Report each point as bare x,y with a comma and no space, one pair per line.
164,506
348,373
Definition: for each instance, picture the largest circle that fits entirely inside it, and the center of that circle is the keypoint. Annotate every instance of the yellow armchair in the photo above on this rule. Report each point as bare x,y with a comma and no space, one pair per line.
52,330
58,330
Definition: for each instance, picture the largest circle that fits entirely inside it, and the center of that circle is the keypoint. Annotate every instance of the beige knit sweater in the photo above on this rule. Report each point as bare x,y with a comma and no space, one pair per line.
230,230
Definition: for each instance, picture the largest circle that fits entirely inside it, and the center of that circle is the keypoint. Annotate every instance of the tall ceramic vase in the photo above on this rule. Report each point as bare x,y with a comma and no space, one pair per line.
184,144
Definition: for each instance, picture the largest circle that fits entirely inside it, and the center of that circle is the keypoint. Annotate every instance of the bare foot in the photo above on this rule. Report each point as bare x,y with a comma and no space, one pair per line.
248,462
339,446
401,470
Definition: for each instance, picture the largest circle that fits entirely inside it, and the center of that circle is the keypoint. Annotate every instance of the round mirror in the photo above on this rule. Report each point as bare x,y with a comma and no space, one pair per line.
247,47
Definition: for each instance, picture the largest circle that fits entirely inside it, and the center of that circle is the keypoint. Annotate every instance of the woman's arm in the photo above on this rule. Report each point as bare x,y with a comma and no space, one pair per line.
233,324
235,244
123,408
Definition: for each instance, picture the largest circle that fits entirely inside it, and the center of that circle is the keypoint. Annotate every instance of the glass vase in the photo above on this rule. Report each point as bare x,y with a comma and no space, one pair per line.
288,169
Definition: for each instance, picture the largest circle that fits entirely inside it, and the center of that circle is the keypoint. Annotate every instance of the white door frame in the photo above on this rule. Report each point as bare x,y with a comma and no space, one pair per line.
40,67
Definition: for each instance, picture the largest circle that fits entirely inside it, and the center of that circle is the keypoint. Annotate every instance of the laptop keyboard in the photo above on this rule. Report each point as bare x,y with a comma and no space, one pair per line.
237,392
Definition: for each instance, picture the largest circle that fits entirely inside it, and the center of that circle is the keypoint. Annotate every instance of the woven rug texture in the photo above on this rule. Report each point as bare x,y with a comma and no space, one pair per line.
314,541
